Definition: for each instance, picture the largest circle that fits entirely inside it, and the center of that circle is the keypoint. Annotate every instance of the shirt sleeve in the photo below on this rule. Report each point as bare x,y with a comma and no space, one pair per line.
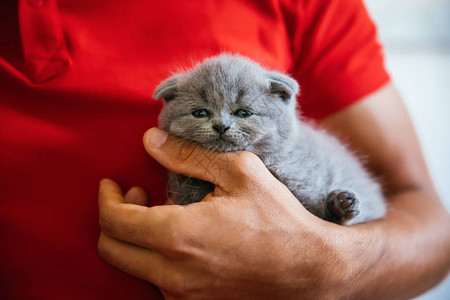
338,59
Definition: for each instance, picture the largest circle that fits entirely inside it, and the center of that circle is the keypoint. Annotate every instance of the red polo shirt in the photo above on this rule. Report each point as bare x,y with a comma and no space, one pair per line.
75,85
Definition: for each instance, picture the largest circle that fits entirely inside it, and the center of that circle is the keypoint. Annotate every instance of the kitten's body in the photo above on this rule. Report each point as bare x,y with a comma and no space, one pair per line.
211,104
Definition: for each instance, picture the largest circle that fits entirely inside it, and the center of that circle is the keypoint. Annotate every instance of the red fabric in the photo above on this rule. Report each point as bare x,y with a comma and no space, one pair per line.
75,85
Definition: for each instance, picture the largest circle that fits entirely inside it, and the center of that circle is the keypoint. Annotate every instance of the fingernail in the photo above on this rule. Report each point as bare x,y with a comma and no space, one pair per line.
156,137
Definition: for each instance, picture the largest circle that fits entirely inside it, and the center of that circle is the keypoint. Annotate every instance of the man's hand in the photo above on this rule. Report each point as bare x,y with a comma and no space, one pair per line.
250,238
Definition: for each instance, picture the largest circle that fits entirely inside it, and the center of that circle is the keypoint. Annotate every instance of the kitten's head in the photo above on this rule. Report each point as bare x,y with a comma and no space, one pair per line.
229,103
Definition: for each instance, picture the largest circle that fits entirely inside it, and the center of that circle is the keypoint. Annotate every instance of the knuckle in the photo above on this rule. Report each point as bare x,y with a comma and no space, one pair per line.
105,223
174,238
130,231
103,249
179,241
174,244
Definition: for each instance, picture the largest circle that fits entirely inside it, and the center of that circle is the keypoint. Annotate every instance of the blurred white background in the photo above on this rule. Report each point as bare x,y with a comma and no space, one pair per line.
416,37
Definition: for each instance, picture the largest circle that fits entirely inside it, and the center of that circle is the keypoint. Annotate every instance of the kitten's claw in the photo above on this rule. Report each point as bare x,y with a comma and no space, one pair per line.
342,206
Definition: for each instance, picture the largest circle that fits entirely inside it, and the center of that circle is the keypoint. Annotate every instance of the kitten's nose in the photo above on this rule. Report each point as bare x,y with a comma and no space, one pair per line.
220,129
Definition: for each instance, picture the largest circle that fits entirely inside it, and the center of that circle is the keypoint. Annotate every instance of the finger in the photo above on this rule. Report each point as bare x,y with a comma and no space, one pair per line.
136,195
192,160
109,190
134,260
149,227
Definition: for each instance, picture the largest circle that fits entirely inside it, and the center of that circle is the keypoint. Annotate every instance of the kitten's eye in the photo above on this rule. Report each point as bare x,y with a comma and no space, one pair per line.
200,113
242,113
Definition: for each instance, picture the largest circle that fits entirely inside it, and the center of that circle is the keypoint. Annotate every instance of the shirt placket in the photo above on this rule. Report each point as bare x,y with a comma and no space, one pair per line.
43,42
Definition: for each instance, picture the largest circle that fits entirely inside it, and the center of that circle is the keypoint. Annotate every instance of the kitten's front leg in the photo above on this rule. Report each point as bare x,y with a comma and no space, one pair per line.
342,206
185,190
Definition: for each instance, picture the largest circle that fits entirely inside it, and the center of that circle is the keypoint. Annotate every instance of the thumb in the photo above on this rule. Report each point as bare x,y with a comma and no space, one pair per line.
226,170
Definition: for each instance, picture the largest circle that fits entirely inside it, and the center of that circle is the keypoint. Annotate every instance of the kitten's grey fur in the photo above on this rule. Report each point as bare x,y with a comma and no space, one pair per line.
324,176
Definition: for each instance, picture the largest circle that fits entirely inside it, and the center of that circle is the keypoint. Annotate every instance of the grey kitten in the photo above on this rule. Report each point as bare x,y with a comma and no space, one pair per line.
230,103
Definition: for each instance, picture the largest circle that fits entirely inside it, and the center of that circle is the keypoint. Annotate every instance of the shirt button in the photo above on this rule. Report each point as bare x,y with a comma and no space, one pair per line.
37,3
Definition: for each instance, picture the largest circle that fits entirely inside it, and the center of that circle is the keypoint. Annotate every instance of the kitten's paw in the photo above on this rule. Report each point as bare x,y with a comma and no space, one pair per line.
342,206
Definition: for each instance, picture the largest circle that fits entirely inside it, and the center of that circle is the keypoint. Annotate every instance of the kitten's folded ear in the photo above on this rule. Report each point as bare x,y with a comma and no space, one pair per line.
282,85
167,89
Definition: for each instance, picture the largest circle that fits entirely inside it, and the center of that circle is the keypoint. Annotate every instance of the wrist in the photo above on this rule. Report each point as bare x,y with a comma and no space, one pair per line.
358,250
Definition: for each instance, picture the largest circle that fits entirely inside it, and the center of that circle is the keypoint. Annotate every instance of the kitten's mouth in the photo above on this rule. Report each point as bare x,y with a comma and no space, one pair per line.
223,144
224,139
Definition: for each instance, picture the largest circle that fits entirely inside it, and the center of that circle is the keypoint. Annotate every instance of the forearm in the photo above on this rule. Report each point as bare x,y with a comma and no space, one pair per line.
408,251
410,248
